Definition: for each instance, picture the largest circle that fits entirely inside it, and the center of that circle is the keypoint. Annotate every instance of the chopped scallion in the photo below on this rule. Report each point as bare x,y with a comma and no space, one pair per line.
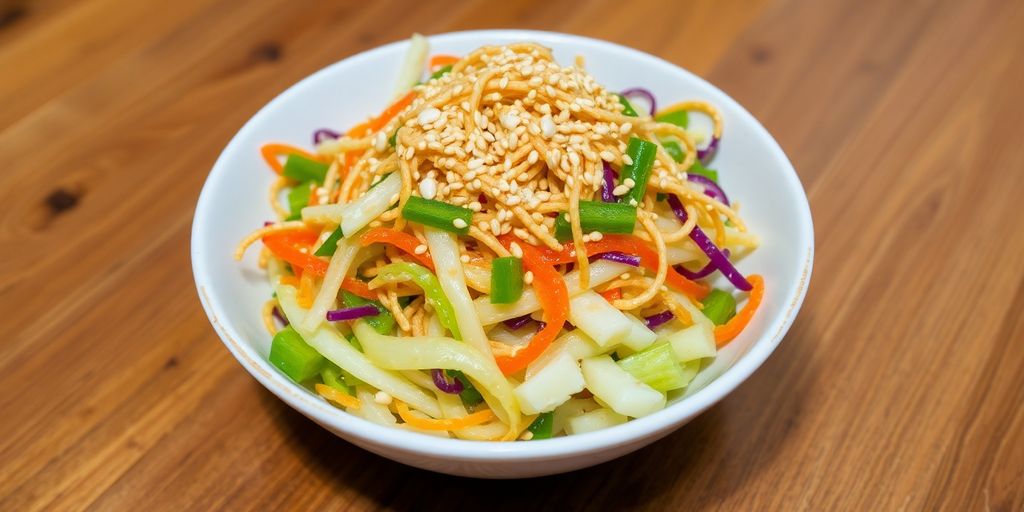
677,117
330,244
598,216
642,153
438,214
300,168
290,353
719,306
627,109
441,72
506,280
298,198
382,322
541,427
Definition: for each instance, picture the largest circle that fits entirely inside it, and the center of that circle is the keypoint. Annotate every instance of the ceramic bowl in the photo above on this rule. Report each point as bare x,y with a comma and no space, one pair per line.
753,170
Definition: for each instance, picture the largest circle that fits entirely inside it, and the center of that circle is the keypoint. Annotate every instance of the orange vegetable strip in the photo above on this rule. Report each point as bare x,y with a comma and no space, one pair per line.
358,287
442,60
378,122
289,280
612,295
469,420
285,244
273,150
630,245
349,401
554,300
399,239
726,332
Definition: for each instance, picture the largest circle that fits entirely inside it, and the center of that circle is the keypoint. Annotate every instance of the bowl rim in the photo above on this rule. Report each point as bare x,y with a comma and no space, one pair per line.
631,432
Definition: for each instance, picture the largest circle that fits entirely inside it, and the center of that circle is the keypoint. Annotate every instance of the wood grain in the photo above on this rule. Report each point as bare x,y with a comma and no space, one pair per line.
900,387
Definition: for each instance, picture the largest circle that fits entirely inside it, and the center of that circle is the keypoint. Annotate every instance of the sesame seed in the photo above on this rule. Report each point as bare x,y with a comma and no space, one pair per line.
620,190
459,224
528,277
380,142
629,182
464,258
382,398
596,236
626,159
515,250
428,188
626,127
420,249
495,226
526,436
428,116
607,156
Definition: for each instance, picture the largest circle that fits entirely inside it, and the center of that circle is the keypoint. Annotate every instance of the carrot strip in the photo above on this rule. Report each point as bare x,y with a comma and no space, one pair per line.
554,300
285,245
357,287
441,60
629,245
612,295
726,332
469,420
389,113
348,401
289,280
273,150
399,239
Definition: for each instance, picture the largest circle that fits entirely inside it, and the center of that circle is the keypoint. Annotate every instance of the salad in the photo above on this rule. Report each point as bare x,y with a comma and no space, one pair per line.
509,251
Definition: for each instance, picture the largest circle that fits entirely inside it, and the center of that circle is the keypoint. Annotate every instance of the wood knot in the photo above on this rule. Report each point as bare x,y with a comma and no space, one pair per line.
760,54
10,15
61,200
269,52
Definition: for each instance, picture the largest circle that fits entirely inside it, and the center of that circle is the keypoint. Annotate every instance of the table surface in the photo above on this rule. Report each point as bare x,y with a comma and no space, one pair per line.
900,386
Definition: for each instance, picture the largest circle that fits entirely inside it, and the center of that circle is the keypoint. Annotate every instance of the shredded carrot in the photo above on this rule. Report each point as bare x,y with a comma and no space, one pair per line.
357,287
348,401
629,245
286,245
612,295
469,420
305,295
273,150
378,122
399,239
554,300
442,60
726,332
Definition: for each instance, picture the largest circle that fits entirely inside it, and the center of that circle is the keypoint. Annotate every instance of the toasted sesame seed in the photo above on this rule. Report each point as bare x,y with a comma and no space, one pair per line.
459,224
380,142
626,159
428,188
528,277
383,398
428,116
515,250
629,182
596,236
420,249
620,190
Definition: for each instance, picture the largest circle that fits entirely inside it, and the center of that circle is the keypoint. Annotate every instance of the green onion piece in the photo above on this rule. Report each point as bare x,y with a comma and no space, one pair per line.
332,377
393,139
352,340
290,354
469,395
674,150
699,169
627,109
677,117
438,214
383,322
642,153
541,427
598,216
432,291
331,244
300,168
660,196
298,198
719,306
441,72
657,367
506,280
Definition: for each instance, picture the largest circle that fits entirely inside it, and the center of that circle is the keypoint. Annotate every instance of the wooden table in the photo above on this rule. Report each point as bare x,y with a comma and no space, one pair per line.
900,386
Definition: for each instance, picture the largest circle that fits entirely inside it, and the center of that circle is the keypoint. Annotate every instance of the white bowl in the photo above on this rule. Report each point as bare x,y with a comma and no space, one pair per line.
753,169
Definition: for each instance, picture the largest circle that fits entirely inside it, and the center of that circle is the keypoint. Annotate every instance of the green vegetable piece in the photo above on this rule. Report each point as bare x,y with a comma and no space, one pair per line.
719,306
438,214
674,150
677,117
699,169
657,367
300,168
598,216
352,340
298,198
627,109
383,322
378,182
541,427
506,280
642,153
425,279
393,139
331,244
470,395
441,72
290,354
660,196
331,375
